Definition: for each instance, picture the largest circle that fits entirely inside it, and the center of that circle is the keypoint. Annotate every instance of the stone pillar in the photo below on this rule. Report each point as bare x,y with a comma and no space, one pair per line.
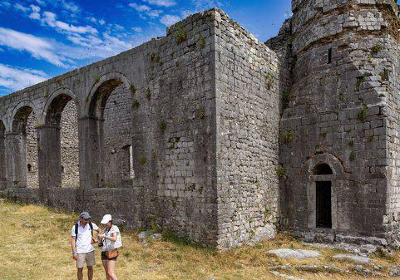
91,166
3,170
16,160
49,158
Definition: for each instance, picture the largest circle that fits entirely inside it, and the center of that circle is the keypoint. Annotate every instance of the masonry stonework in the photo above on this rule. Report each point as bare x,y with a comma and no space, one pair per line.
219,137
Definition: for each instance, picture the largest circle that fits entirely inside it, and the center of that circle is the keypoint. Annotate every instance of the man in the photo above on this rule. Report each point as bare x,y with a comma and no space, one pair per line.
82,240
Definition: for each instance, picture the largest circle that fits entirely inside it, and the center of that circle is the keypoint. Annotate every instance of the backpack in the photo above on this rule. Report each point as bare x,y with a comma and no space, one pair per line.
76,230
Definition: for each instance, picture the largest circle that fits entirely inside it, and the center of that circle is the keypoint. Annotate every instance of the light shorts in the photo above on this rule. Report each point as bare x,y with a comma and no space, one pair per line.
87,258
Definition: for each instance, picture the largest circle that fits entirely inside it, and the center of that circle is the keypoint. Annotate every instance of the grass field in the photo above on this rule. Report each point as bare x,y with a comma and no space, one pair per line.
34,244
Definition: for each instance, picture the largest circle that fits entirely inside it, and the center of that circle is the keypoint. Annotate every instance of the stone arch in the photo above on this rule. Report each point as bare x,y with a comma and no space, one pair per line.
59,138
19,115
101,91
324,172
22,143
56,103
107,143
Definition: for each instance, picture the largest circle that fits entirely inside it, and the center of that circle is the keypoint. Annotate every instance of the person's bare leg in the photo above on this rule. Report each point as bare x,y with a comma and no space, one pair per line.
106,270
80,273
90,272
111,270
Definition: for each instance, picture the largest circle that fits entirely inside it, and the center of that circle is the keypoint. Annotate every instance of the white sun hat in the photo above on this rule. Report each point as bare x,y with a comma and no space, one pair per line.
106,219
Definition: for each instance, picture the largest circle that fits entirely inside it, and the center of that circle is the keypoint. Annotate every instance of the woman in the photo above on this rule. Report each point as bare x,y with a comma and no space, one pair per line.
111,240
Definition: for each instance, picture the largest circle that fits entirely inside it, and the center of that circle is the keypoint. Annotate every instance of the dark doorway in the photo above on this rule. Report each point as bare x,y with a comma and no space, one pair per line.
323,204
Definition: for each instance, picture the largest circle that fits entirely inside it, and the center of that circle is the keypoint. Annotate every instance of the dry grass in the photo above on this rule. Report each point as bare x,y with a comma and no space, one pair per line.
41,250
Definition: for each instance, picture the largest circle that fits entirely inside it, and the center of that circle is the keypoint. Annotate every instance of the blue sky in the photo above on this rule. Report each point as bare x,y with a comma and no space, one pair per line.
40,39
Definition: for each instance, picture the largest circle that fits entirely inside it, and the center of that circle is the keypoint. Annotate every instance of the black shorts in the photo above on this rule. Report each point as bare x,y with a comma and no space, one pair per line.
104,257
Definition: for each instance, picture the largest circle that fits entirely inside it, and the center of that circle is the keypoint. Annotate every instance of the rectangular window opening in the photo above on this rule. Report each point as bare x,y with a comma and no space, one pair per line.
330,56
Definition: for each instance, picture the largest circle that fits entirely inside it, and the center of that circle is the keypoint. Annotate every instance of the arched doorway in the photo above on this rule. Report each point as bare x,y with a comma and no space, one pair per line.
323,197
108,128
22,167
61,128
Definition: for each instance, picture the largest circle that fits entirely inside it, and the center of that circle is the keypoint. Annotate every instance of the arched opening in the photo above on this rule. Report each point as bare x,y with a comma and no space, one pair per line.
110,109
24,149
322,169
62,126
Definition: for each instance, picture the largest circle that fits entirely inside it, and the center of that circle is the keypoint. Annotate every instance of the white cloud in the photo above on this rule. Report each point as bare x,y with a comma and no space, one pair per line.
41,2
35,12
163,3
50,19
70,6
137,29
21,8
169,19
201,5
17,78
37,47
145,10
154,13
139,8
102,22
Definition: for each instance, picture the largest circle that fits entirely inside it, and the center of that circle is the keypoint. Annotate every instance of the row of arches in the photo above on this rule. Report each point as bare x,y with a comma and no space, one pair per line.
70,144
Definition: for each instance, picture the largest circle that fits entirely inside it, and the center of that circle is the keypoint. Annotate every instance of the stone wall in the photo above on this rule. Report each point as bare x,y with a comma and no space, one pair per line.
247,135
146,126
335,113
69,146
32,167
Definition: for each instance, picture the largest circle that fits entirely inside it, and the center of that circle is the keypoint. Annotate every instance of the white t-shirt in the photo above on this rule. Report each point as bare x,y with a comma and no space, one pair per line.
108,244
84,240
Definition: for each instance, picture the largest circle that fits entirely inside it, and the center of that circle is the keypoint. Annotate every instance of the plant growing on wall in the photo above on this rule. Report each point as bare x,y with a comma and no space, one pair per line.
153,57
281,171
163,126
362,113
180,35
270,80
148,94
59,81
384,75
286,98
202,112
287,136
360,81
133,89
135,104
376,49
142,160
352,155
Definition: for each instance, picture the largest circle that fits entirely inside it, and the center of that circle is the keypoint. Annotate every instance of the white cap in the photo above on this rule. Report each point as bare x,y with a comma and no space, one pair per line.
106,219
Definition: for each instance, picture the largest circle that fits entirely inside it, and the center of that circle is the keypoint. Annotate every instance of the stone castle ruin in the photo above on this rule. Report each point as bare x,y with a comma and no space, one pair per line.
222,138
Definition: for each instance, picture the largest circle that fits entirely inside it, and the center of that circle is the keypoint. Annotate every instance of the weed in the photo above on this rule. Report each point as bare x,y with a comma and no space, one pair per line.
148,94
270,80
352,155
351,143
153,57
59,81
287,136
96,80
286,98
341,97
360,81
46,95
142,160
324,134
135,104
281,171
202,112
362,113
133,89
376,49
163,126
384,75
180,35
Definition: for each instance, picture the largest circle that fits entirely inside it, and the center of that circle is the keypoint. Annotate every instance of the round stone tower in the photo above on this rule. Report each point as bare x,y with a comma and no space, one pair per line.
339,145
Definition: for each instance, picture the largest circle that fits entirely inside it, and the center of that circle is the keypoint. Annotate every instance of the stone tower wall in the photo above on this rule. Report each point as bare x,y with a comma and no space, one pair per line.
335,113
